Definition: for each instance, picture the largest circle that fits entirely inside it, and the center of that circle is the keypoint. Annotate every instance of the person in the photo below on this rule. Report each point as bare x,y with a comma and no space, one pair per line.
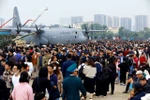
23,58
46,57
139,74
66,64
4,93
133,79
90,73
123,70
18,56
72,85
112,75
143,59
34,62
53,60
54,93
59,74
137,92
2,69
16,76
41,83
7,75
102,76
75,57
11,58
22,90
39,60
145,84
62,57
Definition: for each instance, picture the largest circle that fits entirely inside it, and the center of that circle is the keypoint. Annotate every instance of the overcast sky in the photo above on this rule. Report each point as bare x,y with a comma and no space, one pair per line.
66,8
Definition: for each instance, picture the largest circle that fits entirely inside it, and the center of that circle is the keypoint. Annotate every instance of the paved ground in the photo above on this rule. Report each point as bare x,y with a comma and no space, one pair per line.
118,95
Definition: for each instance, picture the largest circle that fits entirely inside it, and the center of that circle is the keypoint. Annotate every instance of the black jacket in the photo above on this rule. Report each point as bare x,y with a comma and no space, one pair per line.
4,93
123,67
113,73
40,85
147,87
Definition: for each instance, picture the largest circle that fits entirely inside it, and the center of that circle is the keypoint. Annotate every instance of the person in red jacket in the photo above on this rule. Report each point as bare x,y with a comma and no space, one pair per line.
135,60
143,59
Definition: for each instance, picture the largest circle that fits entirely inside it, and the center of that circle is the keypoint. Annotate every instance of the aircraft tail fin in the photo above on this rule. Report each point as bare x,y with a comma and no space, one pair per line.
16,18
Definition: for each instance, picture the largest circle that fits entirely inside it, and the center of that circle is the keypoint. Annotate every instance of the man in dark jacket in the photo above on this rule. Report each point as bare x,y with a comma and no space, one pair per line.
145,84
123,70
11,57
137,93
72,85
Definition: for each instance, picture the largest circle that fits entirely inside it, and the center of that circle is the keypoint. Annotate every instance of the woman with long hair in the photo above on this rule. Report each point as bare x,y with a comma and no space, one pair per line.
41,83
90,73
22,90
112,75
53,60
59,74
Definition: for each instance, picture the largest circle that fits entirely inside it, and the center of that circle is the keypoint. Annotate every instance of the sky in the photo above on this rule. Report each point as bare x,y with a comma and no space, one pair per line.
30,9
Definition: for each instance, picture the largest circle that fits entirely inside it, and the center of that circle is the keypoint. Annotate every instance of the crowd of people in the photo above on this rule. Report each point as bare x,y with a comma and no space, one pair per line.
71,71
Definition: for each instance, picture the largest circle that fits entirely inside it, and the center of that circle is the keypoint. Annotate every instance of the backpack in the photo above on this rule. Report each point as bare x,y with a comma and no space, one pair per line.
81,74
103,75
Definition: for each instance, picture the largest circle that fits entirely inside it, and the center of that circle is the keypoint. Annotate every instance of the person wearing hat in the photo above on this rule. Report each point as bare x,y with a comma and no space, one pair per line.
66,65
139,74
72,85
137,92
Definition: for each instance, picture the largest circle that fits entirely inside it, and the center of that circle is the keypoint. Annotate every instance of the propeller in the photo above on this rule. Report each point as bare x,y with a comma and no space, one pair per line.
18,28
86,30
38,31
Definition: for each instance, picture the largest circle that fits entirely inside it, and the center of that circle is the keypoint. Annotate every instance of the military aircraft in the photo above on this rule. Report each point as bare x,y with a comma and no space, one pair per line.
47,36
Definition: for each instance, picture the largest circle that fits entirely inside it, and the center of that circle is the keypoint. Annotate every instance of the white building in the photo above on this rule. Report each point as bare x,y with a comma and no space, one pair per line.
126,23
141,21
116,21
76,20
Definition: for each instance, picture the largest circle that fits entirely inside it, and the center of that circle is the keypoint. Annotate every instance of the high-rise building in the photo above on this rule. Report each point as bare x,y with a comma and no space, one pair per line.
109,21
100,19
76,20
141,21
126,23
116,22
65,21
1,21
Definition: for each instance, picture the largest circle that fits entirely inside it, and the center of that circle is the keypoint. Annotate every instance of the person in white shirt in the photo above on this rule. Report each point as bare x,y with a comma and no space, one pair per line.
90,73
16,76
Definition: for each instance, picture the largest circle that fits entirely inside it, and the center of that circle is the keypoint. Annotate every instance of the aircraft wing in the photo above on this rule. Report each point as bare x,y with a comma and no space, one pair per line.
94,30
5,30
28,30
